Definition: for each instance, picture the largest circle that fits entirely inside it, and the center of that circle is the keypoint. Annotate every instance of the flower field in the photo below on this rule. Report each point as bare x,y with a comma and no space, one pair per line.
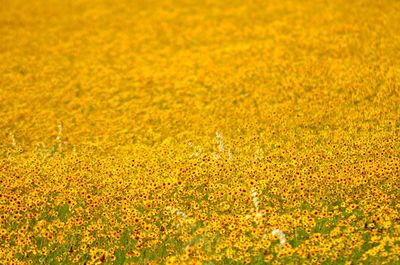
199,132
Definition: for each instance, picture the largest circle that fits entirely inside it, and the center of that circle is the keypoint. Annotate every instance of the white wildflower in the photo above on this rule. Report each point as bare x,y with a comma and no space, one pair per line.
59,134
14,141
220,140
281,235
229,155
255,199
215,156
256,204
197,151
179,214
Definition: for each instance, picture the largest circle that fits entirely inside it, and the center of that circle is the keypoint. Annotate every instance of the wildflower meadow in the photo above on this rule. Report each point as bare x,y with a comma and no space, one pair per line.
199,132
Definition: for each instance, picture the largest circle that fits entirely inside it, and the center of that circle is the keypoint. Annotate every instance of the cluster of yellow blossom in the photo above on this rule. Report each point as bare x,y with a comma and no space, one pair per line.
199,132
